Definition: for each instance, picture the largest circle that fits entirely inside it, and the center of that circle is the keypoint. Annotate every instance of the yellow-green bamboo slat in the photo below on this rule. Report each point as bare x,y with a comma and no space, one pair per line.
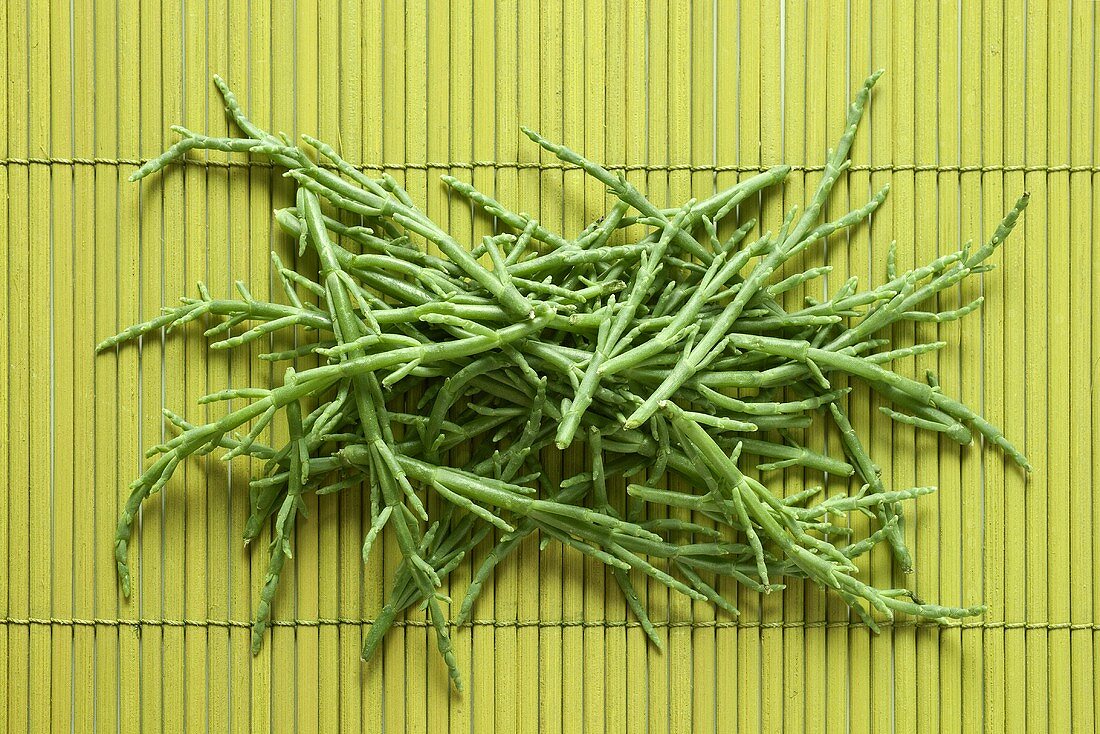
815,136
86,548
902,228
118,236
402,658
356,44
592,585
947,499
883,570
437,57
925,247
311,712
381,90
773,208
146,596
548,17
284,672
456,59
260,201
727,126
574,661
837,86
5,385
658,136
749,143
1080,234
794,147
322,109
1095,373
480,130
634,133
612,16
1016,490
243,576
376,38
18,256
528,107
702,649
680,90
190,503
1058,363
502,22
175,387
993,352
222,549
64,668
39,347
970,352
398,675
1058,359
1036,373
859,256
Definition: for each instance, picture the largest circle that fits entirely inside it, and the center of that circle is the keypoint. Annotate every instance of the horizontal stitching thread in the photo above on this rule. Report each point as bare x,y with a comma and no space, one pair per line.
518,623
899,167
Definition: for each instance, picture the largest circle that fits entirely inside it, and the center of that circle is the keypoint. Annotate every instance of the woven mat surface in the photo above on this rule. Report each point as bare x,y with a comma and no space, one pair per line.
981,101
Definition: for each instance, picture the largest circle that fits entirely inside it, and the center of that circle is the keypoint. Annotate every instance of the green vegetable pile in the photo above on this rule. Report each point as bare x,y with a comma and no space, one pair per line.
671,355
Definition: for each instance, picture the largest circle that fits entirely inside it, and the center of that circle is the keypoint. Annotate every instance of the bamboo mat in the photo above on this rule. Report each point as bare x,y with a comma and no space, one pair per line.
981,101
